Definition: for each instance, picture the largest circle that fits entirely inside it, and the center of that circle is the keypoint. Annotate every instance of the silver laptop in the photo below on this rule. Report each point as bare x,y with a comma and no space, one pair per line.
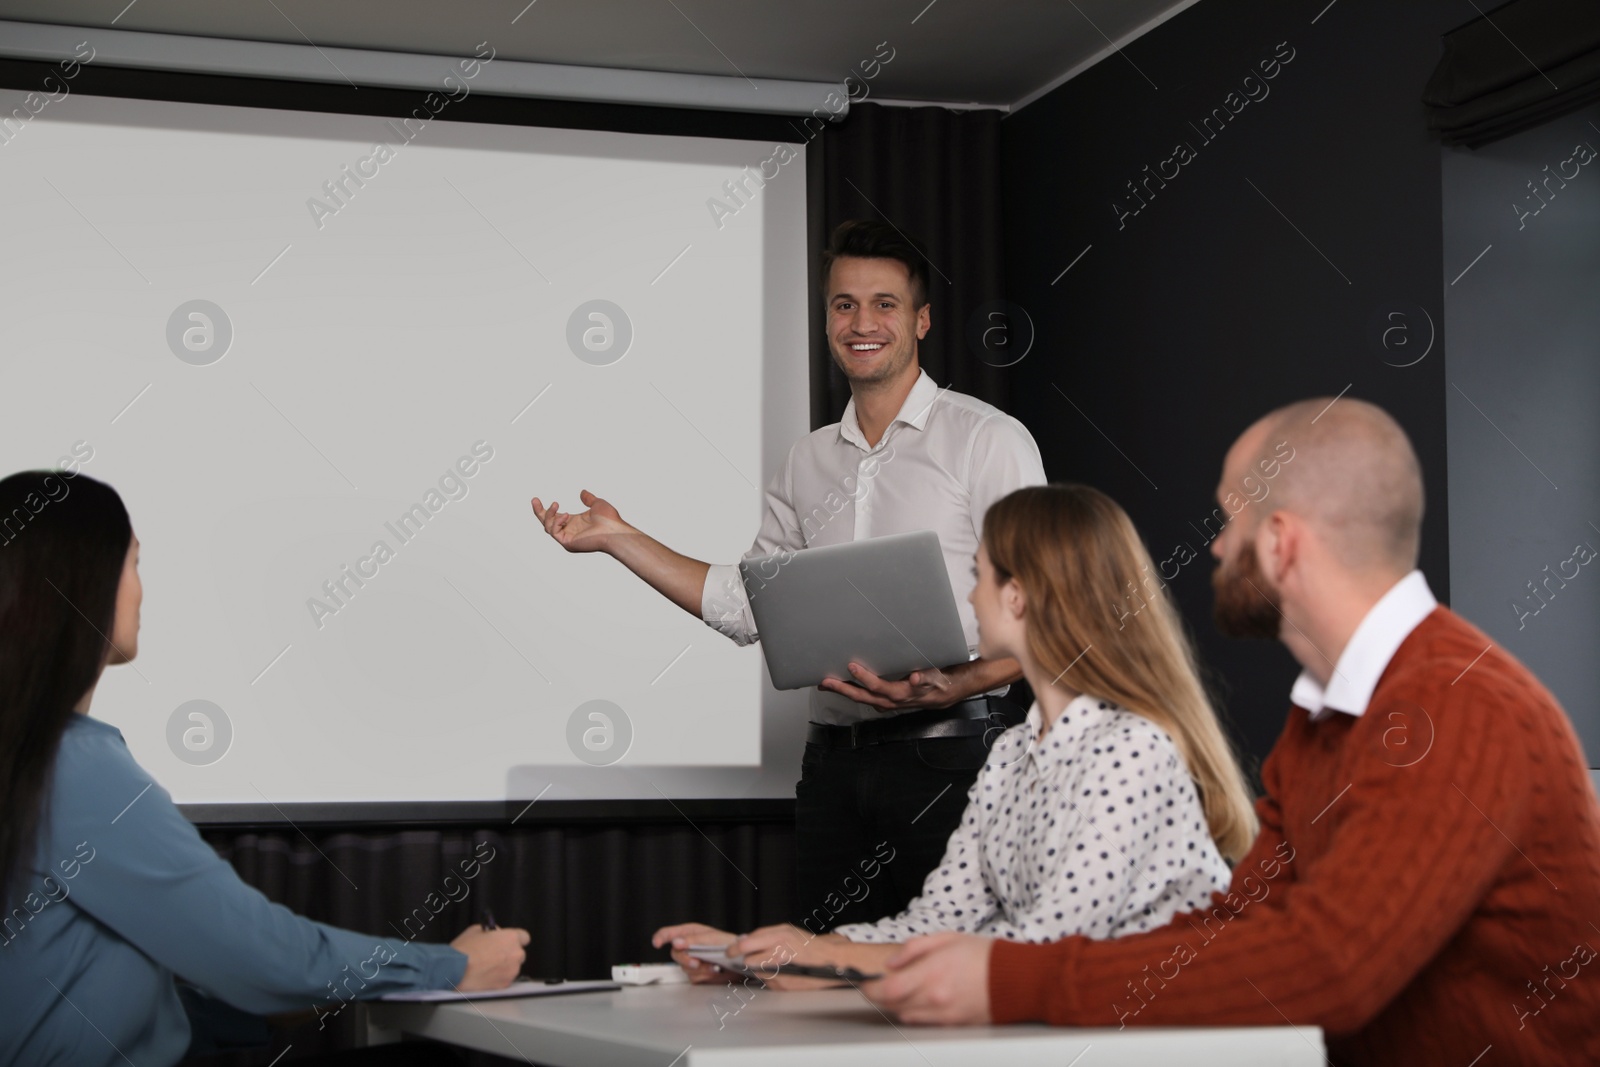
885,603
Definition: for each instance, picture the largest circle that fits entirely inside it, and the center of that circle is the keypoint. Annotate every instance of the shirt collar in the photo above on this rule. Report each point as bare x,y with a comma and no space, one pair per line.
86,721
1368,652
1061,741
914,412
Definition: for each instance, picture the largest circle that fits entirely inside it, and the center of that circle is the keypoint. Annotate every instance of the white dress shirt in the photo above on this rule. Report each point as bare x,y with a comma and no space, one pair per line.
1095,829
1369,650
943,460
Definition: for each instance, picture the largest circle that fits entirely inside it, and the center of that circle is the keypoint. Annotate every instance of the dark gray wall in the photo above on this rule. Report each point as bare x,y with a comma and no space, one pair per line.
1524,401
1265,271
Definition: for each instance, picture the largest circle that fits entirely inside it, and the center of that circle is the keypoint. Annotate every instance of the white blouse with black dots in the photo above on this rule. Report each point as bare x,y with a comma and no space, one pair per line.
1094,829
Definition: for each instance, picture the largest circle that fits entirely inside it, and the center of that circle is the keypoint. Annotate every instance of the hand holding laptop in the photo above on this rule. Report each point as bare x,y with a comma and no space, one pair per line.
931,688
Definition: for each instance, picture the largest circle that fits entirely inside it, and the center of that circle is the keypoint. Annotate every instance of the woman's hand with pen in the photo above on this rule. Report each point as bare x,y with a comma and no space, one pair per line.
494,955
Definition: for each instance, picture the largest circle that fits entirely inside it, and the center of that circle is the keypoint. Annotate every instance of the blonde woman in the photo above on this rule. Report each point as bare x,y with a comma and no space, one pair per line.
1113,807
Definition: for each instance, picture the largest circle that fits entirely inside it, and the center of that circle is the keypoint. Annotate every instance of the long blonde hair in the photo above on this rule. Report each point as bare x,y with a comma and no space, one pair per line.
1095,606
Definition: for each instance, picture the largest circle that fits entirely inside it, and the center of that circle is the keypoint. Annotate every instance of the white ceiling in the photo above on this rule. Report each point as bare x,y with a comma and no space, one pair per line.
988,52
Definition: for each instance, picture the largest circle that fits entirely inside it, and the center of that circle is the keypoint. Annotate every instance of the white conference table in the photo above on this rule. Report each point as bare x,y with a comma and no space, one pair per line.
678,1026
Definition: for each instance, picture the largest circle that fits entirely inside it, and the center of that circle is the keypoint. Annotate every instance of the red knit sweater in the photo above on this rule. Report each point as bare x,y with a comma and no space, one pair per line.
1425,888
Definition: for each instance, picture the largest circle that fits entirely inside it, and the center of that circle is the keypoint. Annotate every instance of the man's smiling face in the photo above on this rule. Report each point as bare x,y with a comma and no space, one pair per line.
874,318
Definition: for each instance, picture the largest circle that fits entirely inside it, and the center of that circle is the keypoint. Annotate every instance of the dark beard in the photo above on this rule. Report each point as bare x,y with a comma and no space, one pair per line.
1246,604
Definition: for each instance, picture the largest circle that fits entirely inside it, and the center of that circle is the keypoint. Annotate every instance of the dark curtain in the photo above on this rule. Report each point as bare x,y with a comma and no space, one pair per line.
1518,66
590,895
934,174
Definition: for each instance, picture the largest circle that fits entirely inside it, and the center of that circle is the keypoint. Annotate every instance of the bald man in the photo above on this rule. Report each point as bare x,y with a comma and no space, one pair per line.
1426,884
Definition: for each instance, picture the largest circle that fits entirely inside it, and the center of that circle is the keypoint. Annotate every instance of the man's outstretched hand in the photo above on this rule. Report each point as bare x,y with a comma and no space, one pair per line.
586,531
600,529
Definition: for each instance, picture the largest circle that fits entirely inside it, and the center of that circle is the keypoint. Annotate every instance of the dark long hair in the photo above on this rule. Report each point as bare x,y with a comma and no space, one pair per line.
63,541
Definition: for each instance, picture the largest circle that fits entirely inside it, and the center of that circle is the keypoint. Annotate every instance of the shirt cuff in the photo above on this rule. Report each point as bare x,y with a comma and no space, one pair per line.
1026,981
444,970
723,604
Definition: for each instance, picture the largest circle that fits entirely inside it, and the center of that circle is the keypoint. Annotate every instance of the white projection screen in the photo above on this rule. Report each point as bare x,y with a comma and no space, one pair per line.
410,351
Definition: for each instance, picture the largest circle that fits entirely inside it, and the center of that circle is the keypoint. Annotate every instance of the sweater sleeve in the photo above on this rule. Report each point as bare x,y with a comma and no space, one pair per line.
1402,856
155,883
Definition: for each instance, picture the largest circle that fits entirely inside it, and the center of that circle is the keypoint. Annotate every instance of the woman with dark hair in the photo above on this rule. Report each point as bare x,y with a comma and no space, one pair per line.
109,894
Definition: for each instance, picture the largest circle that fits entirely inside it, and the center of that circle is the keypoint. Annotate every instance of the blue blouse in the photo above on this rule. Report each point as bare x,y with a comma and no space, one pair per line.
125,896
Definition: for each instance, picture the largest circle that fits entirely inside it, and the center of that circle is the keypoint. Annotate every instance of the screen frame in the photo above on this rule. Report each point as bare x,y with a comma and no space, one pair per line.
97,79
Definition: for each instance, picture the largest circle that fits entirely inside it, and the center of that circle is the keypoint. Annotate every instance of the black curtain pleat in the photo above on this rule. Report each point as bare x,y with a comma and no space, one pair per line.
589,895
934,174
1514,68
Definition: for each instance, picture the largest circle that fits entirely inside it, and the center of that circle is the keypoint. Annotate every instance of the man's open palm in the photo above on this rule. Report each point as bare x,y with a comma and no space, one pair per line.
586,531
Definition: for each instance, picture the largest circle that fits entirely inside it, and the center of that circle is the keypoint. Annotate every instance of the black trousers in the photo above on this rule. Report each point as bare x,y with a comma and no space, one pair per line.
871,822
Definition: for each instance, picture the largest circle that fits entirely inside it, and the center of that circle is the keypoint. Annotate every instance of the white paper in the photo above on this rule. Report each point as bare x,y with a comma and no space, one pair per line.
521,988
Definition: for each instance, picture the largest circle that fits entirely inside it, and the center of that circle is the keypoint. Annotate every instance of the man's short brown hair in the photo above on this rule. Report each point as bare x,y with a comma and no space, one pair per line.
870,239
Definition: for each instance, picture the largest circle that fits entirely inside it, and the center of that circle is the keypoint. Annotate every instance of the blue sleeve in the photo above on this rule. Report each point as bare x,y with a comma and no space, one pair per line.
154,882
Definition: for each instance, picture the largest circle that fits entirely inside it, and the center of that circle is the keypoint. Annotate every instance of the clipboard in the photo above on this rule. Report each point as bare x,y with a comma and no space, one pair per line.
522,987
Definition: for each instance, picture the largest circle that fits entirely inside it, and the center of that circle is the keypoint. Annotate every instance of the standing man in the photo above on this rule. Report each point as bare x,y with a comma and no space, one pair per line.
887,763
1426,882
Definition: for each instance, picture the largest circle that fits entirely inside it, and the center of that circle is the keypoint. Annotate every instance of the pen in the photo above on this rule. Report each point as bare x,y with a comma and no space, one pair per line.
488,920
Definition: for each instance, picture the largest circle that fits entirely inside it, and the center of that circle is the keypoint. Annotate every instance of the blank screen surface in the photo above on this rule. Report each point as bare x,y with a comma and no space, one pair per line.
327,386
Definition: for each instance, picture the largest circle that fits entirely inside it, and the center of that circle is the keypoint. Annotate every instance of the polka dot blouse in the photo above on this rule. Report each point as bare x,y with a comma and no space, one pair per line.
1094,829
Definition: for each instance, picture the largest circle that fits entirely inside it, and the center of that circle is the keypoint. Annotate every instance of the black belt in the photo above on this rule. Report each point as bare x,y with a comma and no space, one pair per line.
970,718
